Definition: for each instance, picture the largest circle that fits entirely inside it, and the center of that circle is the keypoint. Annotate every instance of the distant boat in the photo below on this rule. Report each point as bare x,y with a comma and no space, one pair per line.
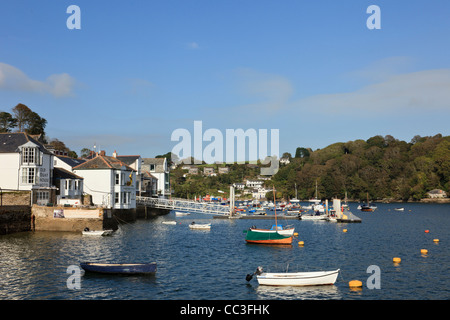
198,226
181,213
88,232
368,207
399,209
120,268
311,216
169,222
295,278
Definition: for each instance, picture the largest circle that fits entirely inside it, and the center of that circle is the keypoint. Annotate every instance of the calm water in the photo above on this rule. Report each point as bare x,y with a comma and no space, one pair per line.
211,265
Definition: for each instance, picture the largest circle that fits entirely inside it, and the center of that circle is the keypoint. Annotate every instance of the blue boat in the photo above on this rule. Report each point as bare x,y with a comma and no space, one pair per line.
120,268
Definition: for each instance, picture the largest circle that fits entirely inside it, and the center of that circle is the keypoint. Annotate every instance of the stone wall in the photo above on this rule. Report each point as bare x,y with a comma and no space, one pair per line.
14,219
15,198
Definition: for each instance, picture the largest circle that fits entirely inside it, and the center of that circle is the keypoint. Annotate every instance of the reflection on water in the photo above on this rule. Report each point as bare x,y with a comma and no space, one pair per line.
298,293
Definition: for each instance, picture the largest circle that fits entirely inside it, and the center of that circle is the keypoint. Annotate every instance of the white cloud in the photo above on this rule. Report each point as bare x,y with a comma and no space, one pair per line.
193,45
416,91
58,85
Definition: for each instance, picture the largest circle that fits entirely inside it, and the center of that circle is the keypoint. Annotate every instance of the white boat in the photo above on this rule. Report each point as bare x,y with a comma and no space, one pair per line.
199,226
181,213
169,222
310,216
315,278
88,232
399,209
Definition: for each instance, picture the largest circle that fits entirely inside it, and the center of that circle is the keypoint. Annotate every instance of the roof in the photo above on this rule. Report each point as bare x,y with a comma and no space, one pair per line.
71,161
147,175
129,160
60,173
11,141
103,162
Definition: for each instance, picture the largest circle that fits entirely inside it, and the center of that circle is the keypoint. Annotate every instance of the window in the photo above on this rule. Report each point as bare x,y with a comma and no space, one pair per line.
126,197
30,155
116,197
28,175
117,178
152,167
42,196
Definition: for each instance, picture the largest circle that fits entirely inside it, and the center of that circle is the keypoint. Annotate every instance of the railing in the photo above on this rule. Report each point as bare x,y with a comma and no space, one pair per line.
184,205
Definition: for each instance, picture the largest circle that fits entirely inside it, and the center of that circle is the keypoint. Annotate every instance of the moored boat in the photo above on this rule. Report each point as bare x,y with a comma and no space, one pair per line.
120,268
315,278
202,226
97,233
399,209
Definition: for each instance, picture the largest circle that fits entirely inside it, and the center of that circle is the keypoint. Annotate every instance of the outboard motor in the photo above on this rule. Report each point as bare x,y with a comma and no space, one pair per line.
258,271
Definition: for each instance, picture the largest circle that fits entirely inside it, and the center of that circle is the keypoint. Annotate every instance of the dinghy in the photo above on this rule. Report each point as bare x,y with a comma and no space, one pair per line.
88,232
120,268
316,278
198,226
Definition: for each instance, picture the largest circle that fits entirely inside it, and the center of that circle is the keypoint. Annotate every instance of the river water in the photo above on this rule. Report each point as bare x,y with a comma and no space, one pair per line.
212,265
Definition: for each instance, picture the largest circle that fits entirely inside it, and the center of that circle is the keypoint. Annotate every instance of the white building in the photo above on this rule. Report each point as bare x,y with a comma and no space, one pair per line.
158,168
25,164
109,181
254,183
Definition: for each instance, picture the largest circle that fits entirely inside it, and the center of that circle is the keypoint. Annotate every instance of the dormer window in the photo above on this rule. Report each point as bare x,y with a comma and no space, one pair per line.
30,155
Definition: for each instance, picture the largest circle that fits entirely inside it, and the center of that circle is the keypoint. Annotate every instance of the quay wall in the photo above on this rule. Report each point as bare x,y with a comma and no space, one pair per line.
14,218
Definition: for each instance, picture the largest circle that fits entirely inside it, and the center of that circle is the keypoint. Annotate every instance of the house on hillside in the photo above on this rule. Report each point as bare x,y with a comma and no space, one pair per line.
158,168
134,162
110,182
437,194
26,165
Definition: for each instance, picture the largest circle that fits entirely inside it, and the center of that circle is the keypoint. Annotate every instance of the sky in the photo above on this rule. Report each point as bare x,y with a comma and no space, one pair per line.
136,71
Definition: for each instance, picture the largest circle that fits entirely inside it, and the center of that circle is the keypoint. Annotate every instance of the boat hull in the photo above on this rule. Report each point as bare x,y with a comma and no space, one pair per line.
200,226
298,278
272,237
97,233
120,268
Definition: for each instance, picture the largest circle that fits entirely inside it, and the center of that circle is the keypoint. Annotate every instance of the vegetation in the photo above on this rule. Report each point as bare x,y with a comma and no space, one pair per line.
383,167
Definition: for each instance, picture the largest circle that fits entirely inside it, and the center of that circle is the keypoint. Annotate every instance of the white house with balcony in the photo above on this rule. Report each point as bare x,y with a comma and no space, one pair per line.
110,182
26,165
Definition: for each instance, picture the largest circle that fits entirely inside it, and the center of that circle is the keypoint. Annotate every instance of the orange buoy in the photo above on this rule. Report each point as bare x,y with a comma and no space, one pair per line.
345,230
423,251
427,231
295,234
301,243
355,284
436,240
397,260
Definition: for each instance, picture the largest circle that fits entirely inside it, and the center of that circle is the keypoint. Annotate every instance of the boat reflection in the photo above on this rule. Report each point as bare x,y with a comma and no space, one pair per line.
298,293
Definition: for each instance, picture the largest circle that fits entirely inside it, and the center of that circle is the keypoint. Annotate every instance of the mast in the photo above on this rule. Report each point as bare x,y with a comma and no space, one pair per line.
275,207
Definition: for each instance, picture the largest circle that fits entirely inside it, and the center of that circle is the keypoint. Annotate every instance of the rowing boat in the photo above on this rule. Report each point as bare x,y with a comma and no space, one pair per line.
315,278
120,268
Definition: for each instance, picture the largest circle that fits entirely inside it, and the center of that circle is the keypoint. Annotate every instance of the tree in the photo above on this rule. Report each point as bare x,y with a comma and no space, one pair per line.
85,152
301,153
22,114
28,121
7,122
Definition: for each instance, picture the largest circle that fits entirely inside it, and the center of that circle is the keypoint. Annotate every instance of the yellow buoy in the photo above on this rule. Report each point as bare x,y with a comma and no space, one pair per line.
355,284
436,240
295,234
423,251
301,243
345,230
397,260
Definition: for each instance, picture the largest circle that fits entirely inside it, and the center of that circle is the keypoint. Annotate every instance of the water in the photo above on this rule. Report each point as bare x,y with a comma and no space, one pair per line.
212,265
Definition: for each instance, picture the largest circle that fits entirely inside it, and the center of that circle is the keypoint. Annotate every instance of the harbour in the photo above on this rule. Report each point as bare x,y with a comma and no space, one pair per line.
212,264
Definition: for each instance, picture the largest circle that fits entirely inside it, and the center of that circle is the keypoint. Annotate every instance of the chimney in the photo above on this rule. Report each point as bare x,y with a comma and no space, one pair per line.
114,154
103,153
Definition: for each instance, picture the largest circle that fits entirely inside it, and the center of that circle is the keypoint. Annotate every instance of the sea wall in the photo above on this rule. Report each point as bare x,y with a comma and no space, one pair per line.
71,219
14,218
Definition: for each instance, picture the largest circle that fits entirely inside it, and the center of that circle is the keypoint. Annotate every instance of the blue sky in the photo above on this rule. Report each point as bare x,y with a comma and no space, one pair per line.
138,70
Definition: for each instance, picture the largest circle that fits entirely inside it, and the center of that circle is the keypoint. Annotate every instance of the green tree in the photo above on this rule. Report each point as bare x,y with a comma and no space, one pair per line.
7,122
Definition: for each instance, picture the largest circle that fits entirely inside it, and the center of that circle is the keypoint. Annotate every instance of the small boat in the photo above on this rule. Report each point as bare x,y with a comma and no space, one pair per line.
88,232
169,222
399,209
311,216
316,278
181,213
120,268
198,226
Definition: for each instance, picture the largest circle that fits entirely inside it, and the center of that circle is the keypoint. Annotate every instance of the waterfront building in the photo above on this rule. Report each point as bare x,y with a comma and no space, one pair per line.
158,168
437,194
110,182
26,165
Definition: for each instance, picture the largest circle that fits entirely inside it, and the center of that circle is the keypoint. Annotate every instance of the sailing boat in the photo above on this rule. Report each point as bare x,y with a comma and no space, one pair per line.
275,235
368,207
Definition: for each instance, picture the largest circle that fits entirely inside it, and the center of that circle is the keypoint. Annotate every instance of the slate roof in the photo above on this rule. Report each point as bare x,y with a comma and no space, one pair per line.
158,162
10,141
129,160
103,162
71,161
60,173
